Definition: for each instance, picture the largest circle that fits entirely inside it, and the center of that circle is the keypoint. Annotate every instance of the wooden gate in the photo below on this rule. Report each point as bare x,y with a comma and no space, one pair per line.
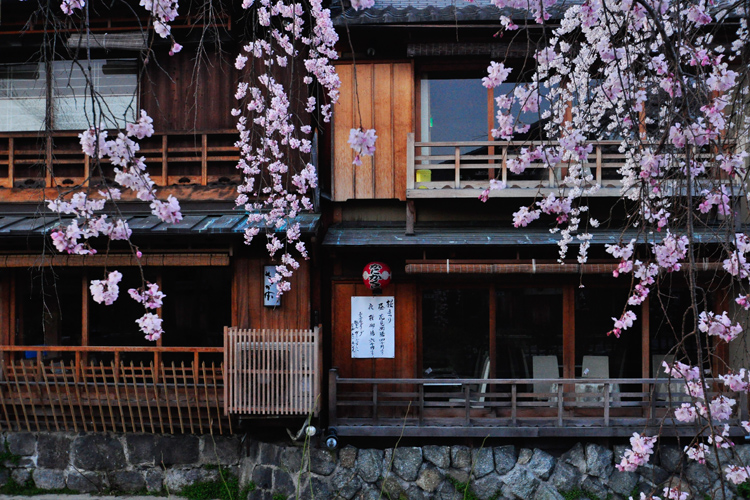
271,372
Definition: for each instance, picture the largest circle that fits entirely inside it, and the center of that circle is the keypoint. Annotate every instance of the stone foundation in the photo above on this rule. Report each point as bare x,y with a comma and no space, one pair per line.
130,462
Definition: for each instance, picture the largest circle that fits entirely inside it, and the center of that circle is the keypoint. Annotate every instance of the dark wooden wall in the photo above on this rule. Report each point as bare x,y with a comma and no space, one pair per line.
182,95
248,310
404,365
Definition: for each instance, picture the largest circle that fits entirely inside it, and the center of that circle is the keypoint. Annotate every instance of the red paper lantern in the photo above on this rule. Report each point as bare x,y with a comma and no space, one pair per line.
376,276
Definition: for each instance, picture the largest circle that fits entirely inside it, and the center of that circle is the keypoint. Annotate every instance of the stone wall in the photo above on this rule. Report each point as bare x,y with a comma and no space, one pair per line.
129,462
124,462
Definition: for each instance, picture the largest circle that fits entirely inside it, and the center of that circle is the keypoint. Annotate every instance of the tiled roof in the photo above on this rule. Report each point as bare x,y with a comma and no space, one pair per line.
192,223
444,235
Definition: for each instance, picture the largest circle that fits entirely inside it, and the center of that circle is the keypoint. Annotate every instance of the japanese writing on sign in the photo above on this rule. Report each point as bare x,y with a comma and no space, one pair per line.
373,327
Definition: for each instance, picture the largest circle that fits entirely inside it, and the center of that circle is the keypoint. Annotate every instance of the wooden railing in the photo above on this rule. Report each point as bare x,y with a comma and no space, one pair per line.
174,158
509,407
54,388
463,169
272,372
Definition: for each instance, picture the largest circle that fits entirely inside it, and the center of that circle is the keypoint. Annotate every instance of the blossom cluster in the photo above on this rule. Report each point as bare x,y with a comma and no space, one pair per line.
362,142
274,146
73,235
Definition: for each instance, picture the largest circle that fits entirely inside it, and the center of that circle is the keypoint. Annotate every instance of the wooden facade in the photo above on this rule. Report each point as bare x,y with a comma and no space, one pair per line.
379,96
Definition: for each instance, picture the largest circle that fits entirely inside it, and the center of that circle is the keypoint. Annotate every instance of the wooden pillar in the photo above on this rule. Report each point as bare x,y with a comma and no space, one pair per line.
411,217
569,332
493,330
84,316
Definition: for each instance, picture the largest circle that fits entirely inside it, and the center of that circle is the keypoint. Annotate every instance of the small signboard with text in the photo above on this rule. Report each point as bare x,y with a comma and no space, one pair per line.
373,327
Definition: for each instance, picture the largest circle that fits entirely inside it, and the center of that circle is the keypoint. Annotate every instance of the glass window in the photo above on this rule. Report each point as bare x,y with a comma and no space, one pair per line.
23,97
24,94
453,109
455,332
529,323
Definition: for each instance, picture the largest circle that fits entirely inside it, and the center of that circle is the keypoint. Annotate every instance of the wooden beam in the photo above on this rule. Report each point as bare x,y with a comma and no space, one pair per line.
569,332
119,260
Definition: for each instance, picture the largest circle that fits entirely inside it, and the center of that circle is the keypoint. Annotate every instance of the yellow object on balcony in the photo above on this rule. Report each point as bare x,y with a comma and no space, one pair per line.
424,175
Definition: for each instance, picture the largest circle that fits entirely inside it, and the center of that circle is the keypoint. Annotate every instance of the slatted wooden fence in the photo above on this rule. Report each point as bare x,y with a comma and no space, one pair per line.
271,372
59,395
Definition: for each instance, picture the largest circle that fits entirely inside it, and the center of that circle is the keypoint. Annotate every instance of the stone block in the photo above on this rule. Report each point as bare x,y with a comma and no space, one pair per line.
316,489
460,457
670,458
98,452
178,450
220,450
20,476
415,493
505,458
546,492
594,486
599,461
487,487
86,482
142,448
393,488
346,483
322,461
268,453
623,482
369,464
127,480
458,475
542,464
483,462
522,483
524,456
4,476
291,459
263,477
176,479
446,491
368,493
439,456
53,451
653,474
48,479
21,443
154,479
348,457
699,476
566,477
429,478
283,483
575,457
407,462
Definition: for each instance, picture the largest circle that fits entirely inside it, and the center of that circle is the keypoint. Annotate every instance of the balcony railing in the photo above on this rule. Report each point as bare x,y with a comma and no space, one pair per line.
463,169
509,407
56,388
173,159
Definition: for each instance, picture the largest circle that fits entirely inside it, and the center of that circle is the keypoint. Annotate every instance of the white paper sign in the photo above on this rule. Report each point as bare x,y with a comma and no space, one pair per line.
373,327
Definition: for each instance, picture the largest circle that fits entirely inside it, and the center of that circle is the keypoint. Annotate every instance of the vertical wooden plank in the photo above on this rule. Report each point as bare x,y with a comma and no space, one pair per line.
343,122
105,384
383,124
204,159
11,162
227,356
136,396
457,167
514,404
186,389
165,391
18,393
145,386
116,383
569,340
403,122
363,114
76,384
216,398
128,401
84,376
67,394
98,399
31,395
205,390
196,393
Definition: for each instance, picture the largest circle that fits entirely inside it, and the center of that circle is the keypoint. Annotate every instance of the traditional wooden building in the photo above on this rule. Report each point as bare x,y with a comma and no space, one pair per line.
492,335
72,364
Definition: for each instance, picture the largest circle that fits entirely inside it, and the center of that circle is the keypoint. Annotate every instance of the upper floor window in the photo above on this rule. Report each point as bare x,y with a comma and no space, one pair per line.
60,90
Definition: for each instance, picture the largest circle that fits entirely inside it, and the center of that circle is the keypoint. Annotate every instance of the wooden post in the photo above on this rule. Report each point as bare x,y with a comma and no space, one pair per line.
11,162
457,167
411,216
204,159
606,404
410,169
375,402
84,318
421,405
645,345
164,170
514,403
332,380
